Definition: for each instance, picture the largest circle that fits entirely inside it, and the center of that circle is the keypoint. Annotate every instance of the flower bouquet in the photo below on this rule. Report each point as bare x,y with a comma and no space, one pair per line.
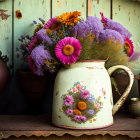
67,39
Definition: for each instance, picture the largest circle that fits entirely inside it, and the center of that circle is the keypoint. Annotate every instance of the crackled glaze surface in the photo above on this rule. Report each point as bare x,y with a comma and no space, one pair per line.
83,96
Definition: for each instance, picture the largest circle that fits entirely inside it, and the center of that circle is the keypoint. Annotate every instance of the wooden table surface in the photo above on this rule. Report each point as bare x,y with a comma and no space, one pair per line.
28,125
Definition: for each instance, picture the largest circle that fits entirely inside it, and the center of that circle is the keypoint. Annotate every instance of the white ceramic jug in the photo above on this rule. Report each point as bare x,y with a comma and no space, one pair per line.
82,96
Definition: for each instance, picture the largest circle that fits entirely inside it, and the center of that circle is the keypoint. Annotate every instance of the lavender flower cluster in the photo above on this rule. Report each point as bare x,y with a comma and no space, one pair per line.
94,26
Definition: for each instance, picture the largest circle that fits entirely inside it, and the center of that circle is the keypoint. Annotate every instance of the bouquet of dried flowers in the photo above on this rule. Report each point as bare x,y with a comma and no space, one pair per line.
67,39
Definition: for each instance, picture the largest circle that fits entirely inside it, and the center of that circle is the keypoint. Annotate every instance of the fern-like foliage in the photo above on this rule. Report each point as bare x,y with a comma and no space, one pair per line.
111,51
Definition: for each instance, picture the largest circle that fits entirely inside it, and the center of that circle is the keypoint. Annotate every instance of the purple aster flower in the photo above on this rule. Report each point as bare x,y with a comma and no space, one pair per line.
91,98
85,94
40,19
18,55
117,27
111,34
77,118
69,111
34,22
83,118
39,55
22,37
69,100
42,35
96,26
92,25
21,45
91,112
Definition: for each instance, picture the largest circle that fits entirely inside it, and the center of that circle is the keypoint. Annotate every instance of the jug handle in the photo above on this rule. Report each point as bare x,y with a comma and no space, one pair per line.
120,102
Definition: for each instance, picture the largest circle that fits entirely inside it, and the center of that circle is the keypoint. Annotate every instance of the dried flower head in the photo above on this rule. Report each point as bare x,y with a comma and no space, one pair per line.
70,18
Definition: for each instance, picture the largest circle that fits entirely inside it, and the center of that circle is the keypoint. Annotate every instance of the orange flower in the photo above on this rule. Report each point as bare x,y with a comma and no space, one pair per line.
68,50
18,14
77,112
55,26
36,30
82,105
70,18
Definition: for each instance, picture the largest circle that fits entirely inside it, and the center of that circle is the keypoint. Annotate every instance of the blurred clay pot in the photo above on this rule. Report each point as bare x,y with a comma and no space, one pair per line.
4,76
134,107
33,86
138,78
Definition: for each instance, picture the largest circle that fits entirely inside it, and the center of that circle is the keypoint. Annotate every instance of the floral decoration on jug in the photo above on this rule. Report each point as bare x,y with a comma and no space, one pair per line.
80,105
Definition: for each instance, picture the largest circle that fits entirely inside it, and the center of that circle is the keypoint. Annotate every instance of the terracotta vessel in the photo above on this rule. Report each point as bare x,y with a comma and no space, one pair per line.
4,76
134,107
33,86
82,96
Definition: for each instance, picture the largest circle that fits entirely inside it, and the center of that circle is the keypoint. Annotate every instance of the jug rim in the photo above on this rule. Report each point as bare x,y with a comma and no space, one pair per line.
92,60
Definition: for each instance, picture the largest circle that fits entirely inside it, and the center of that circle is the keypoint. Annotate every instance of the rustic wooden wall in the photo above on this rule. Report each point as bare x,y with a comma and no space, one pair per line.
126,12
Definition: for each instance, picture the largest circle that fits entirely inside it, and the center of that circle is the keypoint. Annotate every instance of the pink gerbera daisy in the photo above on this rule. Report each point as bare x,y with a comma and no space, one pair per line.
128,45
68,50
50,22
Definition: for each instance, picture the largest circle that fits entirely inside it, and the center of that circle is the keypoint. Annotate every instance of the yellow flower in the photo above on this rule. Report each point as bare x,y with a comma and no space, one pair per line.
70,18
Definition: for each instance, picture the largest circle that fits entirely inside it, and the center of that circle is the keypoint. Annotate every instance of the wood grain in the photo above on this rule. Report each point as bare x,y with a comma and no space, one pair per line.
61,6
69,137
127,13
97,6
31,10
6,31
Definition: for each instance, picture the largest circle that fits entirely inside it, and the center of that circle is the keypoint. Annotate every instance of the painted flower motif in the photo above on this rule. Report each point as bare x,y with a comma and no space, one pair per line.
70,18
79,109
85,94
77,118
18,14
77,112
68,50
91,111
83,118
39,55
79,86
42,36
68,101
52,24
69,111
104,92
97,105
82,105
91,98
75,90
128,45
